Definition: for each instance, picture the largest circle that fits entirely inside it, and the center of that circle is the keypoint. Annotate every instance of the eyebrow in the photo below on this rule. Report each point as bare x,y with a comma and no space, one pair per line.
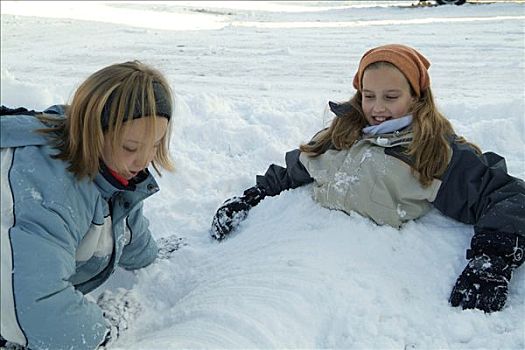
391,90
138,142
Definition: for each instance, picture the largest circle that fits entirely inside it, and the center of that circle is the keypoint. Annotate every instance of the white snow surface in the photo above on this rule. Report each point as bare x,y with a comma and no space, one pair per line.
252,81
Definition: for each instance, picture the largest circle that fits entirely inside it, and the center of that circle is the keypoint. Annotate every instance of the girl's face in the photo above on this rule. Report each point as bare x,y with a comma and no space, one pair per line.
386,94
134,154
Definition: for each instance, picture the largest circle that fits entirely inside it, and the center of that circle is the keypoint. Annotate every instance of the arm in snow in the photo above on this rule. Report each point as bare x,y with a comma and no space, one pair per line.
45,310
478,190
142,248
277,179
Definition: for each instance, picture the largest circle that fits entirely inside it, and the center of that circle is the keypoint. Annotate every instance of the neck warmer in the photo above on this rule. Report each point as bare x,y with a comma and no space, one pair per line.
389,125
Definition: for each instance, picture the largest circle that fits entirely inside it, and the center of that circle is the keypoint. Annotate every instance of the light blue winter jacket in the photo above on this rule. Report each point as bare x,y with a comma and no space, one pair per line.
60,239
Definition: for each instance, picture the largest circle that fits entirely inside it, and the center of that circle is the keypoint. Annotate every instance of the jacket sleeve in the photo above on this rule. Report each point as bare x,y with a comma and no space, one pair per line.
478,190
277,179
44,310
142,249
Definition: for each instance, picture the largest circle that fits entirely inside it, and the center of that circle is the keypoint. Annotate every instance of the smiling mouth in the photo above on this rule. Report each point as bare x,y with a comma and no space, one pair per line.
380,119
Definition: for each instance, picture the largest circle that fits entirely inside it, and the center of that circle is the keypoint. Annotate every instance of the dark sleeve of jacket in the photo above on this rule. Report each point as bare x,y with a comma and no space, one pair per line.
476,189
277,179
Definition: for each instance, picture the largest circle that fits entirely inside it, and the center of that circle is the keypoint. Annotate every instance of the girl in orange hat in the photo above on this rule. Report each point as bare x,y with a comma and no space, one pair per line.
390,155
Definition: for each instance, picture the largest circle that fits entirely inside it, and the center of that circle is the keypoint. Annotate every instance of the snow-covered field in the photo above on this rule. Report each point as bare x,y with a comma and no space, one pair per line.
252,81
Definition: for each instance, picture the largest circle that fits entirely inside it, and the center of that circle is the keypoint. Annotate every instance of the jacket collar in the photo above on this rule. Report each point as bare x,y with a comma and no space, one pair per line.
396,138
142,186
389,126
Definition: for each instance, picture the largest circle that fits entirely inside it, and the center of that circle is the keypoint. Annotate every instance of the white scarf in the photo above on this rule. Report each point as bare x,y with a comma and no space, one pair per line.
390,125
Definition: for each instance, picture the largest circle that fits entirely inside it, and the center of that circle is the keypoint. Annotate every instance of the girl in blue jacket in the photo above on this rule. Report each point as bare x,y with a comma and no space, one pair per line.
390,155
73,182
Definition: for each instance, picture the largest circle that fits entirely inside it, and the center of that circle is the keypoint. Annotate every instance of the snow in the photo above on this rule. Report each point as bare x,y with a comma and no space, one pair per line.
252,80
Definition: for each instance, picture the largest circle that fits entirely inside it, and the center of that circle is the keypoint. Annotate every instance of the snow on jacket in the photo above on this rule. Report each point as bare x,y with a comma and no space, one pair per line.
374,178
60,239
366,180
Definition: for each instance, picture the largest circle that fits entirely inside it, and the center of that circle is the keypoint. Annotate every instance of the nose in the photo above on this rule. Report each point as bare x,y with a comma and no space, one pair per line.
143,163
378,107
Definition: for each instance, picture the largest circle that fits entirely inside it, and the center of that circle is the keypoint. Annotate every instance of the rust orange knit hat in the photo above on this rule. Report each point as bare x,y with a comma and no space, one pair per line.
410,62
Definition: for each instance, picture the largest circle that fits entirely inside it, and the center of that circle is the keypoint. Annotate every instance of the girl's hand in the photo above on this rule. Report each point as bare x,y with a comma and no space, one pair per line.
483,284
168,245
120,309
235,210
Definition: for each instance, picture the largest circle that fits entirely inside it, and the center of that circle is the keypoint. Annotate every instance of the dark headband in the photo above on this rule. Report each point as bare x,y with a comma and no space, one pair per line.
162,106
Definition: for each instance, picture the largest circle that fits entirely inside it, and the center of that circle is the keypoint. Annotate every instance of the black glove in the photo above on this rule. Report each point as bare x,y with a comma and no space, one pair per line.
235,210
483,284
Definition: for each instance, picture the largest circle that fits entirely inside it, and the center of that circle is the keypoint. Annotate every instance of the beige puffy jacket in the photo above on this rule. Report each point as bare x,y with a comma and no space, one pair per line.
366,180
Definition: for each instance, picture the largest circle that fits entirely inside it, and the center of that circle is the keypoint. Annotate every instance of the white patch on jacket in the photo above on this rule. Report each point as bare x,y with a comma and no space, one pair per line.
97,242
9,327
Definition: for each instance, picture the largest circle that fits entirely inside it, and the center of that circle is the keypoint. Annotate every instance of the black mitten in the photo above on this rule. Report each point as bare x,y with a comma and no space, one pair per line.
235,210
483,284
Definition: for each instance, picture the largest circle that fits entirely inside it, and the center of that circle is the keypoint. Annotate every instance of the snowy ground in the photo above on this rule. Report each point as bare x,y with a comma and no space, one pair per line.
252,81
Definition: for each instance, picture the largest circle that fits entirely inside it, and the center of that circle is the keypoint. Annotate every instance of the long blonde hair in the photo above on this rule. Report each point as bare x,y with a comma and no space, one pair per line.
429,149
115,92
